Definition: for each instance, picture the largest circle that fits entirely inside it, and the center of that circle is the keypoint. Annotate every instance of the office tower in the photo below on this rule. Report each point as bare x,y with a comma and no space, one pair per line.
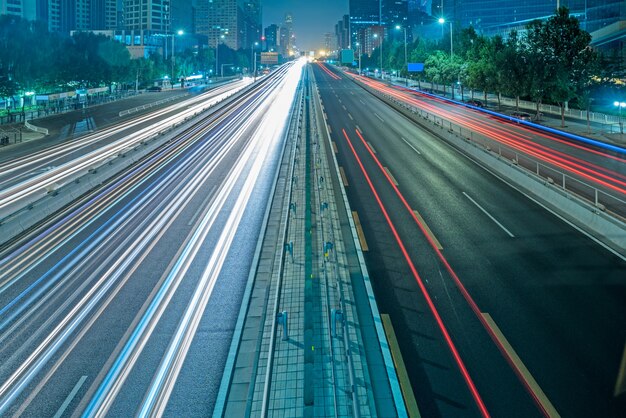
342,32
217,20
363,14
272,38
251,22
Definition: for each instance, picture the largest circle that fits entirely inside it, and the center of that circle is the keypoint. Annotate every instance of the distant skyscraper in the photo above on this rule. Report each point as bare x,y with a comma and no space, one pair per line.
272,37
290,37
151,15
217,18
251,22
363,14
342,32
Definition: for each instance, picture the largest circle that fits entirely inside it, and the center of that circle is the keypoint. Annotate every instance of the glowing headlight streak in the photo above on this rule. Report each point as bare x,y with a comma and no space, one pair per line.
33,187
21,377
269,133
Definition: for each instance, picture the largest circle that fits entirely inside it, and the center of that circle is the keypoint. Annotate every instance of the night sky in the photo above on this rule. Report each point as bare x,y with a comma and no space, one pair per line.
311,18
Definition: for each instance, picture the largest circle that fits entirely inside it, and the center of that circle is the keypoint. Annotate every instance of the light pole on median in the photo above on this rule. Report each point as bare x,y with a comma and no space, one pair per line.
359,52
406,66
179,33
619,106
217,49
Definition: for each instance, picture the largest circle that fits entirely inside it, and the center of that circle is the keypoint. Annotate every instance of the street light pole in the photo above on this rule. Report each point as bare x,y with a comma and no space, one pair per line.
406,66
619,110
359,52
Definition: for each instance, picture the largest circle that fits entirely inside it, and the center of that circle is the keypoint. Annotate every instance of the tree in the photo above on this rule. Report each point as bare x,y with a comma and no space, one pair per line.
562,58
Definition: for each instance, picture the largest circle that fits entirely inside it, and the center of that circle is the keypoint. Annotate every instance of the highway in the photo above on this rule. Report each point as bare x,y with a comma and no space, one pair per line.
123,304
502,309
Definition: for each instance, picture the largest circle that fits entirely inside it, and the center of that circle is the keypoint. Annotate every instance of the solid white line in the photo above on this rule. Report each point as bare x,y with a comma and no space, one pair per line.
409,144
70,397
488,214
378,116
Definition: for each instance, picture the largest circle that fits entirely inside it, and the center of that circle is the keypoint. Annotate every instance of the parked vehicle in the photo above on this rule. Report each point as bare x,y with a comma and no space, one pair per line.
522,116
475,102
154,88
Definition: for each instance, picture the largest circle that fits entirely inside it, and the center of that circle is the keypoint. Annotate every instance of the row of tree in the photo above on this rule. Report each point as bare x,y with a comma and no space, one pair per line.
33,59
550,62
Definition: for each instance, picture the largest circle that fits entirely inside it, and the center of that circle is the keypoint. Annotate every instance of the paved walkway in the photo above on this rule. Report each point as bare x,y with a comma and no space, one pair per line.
324,362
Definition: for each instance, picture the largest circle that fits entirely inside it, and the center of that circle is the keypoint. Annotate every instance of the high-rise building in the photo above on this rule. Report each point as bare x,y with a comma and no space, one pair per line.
251,22
342,32
272,38
147,15
218,21
289,45
102,14
363,14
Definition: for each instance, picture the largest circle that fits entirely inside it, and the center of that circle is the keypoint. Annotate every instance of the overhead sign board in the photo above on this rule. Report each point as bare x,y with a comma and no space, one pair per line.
415,67
270,58
347,56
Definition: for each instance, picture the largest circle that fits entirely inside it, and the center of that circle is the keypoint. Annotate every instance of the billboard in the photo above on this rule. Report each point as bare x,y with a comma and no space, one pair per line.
415,67
270,58
347,56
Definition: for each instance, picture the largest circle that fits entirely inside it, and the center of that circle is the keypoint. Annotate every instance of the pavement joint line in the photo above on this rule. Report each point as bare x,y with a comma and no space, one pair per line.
527,376
359,231
70,397
393,179
489,215
403,376
410,145
428,230
344,179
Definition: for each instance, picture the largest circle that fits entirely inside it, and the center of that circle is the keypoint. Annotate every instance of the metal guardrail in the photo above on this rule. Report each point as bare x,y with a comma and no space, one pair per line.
36,128
149,105
524,104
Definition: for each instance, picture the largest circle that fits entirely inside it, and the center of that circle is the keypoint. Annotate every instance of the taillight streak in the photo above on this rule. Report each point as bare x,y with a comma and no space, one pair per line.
466,295
457,357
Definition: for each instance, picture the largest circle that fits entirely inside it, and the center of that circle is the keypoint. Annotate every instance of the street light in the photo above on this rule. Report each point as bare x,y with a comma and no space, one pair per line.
217,49
380,50
359,52
180,32
619,106
406,66
442,21
254,59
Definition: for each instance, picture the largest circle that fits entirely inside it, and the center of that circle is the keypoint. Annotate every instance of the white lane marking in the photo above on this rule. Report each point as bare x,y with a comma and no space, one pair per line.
362,102
409,144
70,397
489,215
351,118
378,116
344,107
371,147
202,206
